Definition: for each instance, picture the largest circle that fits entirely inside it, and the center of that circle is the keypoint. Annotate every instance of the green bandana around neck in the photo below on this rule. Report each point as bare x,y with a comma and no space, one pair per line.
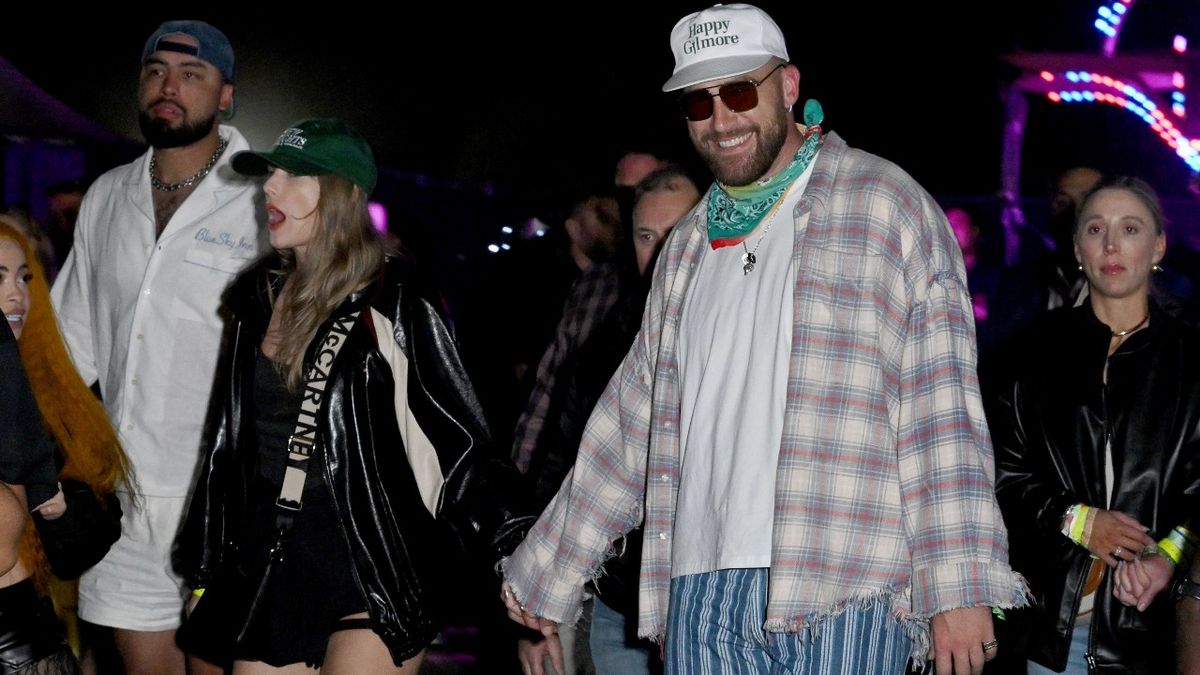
734,211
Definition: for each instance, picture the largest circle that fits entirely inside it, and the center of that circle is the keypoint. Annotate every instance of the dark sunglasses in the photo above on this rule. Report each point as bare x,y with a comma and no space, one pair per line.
738,96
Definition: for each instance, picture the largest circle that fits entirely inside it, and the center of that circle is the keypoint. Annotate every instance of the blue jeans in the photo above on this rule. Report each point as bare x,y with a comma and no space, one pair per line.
715,627
615,651
1076,658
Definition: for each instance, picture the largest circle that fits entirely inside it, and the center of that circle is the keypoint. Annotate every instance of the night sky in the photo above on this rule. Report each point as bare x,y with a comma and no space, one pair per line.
524,101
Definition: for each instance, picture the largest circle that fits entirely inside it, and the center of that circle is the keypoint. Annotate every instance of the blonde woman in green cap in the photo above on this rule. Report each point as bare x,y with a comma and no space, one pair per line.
346,452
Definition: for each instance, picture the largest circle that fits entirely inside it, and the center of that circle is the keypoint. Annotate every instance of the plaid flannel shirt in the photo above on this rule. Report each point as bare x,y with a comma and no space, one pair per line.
884,485
591,297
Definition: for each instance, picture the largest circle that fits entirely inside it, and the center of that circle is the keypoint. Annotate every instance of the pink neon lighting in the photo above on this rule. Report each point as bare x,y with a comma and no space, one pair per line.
379,216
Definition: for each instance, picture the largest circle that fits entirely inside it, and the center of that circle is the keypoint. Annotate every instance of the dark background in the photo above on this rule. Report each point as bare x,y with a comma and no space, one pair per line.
484,117
517,101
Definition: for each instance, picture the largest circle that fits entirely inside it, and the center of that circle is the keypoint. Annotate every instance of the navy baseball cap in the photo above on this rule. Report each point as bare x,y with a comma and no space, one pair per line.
211,44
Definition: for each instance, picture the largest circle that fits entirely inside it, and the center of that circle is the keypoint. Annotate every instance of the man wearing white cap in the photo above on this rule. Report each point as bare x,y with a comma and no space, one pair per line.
156,244
799,418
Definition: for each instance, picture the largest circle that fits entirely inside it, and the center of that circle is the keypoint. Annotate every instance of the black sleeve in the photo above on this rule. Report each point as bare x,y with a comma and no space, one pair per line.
26,451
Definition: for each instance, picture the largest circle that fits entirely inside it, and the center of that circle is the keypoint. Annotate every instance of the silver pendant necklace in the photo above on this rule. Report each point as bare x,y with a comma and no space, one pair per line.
748,257
172,187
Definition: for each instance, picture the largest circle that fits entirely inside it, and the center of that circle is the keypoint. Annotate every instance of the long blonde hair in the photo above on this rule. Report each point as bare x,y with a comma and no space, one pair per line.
74,416
343,255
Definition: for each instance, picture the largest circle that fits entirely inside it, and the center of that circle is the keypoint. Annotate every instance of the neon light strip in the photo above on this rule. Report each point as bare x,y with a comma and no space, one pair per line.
1109,18
1105,89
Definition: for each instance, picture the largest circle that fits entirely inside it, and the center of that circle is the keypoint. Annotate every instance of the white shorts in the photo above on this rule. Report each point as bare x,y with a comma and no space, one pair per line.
134,586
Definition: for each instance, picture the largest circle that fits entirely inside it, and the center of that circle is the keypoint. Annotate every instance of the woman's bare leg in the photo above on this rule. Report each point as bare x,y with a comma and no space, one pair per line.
360,650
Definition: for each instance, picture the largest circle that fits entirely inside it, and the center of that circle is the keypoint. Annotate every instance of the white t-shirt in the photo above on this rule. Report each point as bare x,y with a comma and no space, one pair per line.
735,342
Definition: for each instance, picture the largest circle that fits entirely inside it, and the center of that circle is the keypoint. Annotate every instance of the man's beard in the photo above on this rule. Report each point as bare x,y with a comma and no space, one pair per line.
160,135
771,137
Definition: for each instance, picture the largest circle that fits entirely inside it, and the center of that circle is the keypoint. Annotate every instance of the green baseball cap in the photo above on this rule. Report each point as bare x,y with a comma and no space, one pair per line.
316,147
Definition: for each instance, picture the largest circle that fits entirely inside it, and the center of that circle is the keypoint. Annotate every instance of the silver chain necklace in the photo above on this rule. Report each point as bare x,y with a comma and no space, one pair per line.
189,182
748,258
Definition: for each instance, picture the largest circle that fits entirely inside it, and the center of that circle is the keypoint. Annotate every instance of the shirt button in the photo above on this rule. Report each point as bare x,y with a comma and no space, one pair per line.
146,292
665,478
134,381
129,427
140,336
662,535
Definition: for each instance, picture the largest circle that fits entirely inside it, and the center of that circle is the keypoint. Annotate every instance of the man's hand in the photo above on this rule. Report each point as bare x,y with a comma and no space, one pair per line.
958,639
517,612
532,655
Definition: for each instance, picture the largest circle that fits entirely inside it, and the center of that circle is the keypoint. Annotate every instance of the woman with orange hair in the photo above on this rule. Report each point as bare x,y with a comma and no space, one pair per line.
93,466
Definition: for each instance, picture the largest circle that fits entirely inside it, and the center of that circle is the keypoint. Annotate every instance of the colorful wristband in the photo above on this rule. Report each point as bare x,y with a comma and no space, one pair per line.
198,592
1178,544
1079,523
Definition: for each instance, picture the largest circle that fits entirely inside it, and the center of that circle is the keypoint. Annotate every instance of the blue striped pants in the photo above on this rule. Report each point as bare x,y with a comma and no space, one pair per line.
715,627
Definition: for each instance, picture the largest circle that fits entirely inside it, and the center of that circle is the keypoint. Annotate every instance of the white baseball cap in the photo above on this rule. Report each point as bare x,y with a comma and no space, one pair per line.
723,41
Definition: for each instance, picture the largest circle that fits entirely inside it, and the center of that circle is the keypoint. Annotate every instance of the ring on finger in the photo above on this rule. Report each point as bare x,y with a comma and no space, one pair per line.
1117,553
990,645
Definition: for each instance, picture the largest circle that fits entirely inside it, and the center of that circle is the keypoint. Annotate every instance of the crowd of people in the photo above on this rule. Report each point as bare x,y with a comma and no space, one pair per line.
786,421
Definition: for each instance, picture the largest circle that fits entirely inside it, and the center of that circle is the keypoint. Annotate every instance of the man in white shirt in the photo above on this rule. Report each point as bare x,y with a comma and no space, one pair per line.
156,244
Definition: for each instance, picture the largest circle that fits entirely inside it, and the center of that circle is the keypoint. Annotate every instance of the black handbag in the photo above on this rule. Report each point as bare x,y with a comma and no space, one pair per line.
83,534
220,618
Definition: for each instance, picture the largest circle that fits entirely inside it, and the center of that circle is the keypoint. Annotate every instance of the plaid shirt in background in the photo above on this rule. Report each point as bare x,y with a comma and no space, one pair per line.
591,298
884,486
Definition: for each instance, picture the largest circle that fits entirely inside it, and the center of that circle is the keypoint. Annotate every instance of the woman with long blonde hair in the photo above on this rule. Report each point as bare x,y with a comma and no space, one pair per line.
346,461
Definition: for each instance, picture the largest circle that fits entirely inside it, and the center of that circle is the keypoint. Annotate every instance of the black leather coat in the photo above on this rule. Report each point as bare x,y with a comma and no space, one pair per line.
398,549
1049,429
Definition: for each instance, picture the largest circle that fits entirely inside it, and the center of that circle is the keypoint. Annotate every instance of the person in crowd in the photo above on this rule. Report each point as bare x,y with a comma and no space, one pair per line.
661,199
42,247
156,243
632,167
983,279
84,445
346,455
1097,440
798,419
64,199
1031,287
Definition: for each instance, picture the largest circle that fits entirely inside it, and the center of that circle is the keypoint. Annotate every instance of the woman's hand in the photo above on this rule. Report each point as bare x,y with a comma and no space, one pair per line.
532,655
1138,582
1113,536
53,508
192,600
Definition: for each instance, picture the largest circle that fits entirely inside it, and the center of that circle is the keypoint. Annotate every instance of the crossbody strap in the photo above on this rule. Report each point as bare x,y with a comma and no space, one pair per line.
303,440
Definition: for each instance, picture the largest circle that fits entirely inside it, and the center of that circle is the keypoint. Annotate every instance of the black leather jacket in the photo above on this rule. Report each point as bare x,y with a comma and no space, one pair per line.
1049,429
398,549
